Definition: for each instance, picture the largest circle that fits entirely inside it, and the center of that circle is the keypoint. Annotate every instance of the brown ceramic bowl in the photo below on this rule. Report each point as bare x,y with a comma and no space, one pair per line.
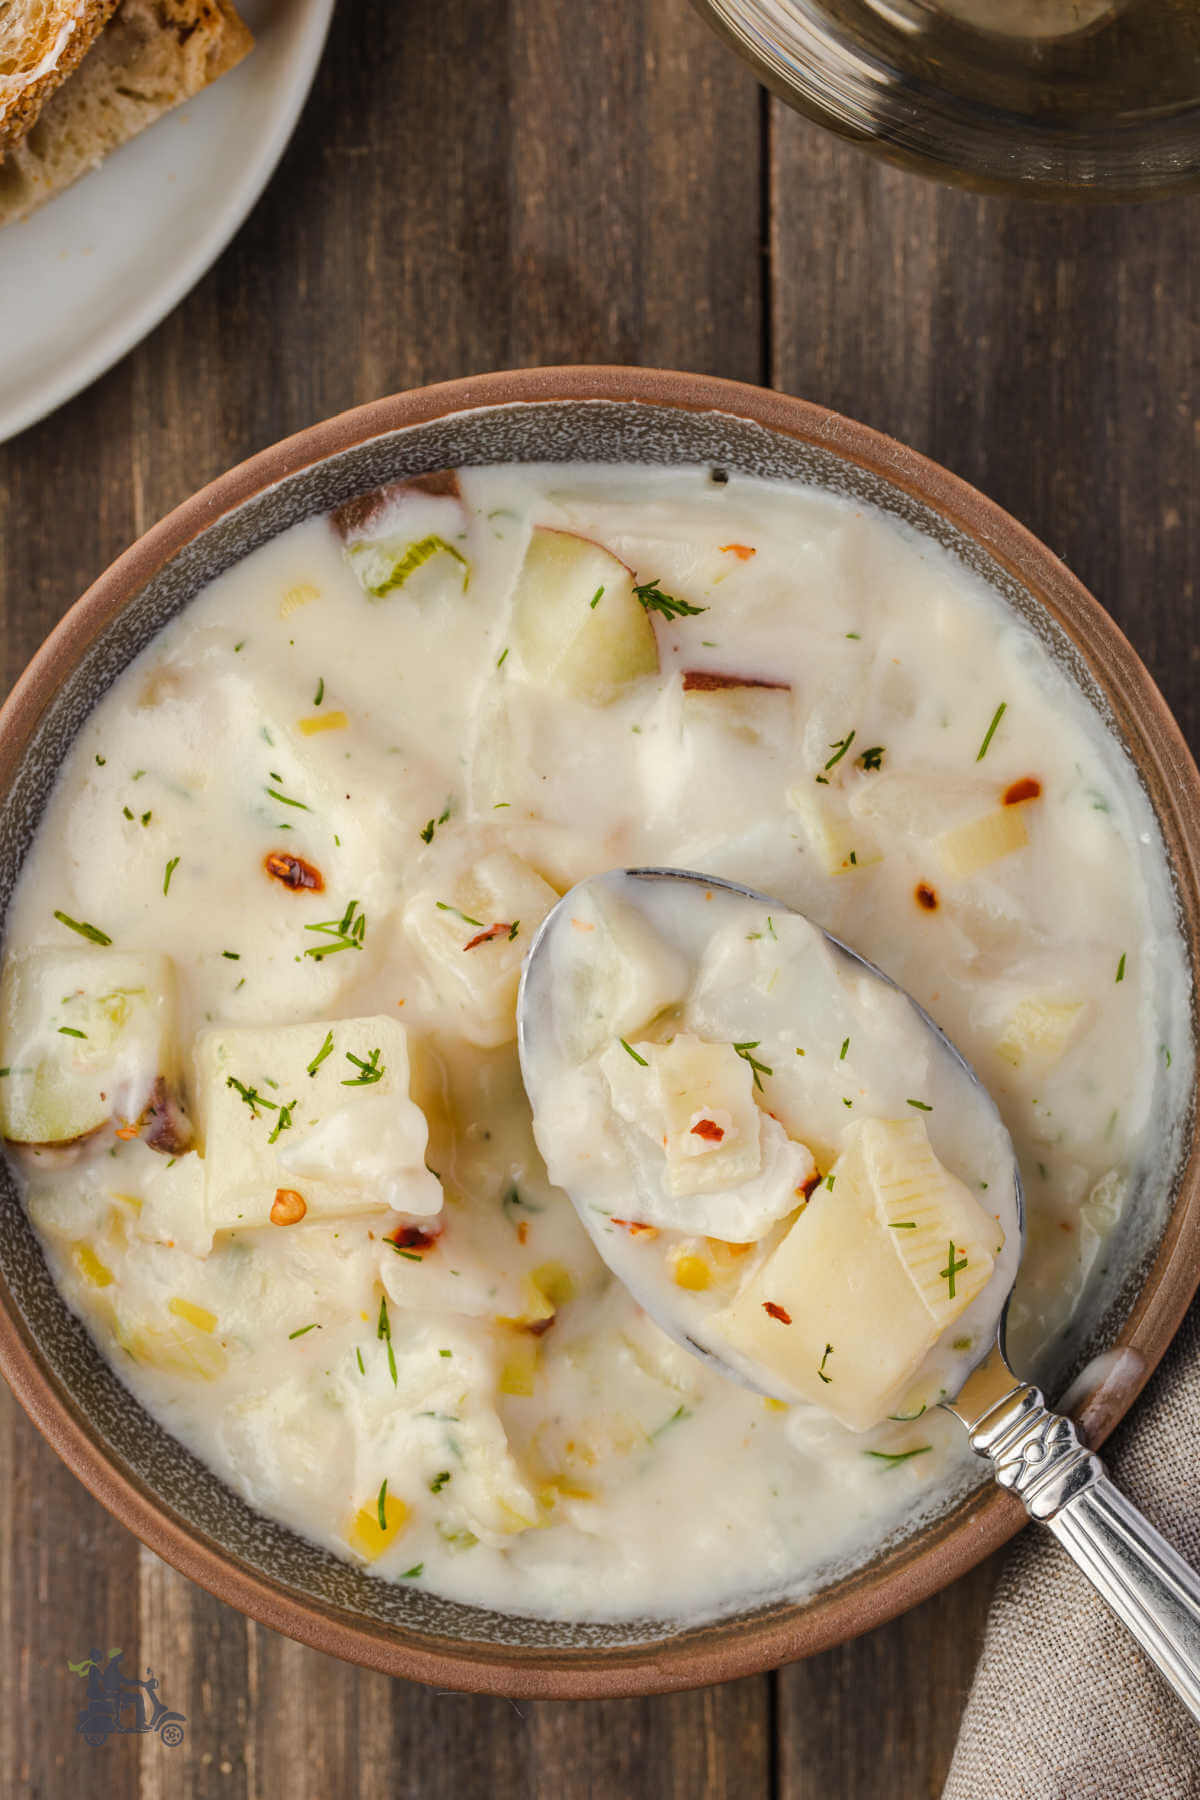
160,1491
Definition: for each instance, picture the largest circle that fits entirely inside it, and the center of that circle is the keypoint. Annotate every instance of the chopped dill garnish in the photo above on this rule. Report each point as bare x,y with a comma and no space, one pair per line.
872,758
652,599
843,1050
304,1328
821,1370
894,1457
439,1481
829,1181
100,761
412,1574
251,1096
381,1505
320,693
630,1051
596,598
168,872
232,955
839,750
990,733
91,932
465,917
70,1031
907,1418
1121,968
284,1121
501,658
348,931
285,801
757,1068
127,813
680,1413
325,1050
362,1367
408,1255
921,1105
371,1070
951,1269
902,1225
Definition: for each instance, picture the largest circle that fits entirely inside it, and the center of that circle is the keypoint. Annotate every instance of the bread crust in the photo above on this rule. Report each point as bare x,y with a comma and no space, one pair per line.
22,101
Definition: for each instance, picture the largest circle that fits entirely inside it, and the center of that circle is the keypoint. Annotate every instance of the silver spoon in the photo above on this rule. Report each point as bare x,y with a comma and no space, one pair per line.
1033,1451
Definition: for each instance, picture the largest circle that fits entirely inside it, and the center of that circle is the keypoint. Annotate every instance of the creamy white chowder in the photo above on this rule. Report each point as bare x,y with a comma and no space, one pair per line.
260,1074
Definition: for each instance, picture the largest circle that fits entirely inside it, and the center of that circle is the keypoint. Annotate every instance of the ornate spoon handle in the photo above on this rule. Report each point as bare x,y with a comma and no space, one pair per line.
1037,1453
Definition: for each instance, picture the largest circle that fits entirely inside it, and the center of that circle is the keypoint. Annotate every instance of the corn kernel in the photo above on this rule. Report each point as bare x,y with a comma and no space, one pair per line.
690,1271
365,1534
199,1316
90,1266
773,1405
298,596
519,1367
330,721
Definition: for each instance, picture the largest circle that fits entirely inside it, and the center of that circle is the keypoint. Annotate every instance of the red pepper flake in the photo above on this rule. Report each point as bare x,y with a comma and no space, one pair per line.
288,1207
709,1130
926,896
636,1229
743,552
414,1237
1028,788
293,872
777,1312
522,1231
807,1187
484,937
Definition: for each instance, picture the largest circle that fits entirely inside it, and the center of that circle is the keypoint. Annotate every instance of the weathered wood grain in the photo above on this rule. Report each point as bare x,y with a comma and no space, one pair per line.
473,185
1052,357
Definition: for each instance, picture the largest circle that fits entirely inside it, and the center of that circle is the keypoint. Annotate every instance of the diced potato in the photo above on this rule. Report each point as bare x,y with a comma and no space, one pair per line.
368,1537
969,848
1039,1032
88,1038
410,535
846,1309
627,978
926,1210
752,710
577,624
519,1368
320,1110
842,844
919,803
696,1099
473,939
175,1348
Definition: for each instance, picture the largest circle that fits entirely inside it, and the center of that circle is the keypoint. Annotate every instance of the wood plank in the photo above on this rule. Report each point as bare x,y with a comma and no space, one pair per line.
1052,357
471,187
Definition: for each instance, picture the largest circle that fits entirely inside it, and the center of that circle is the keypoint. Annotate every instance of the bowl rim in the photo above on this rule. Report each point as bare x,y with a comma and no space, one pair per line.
727,1649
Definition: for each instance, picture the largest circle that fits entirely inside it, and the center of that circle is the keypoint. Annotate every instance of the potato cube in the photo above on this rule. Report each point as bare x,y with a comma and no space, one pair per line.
1039,1032
316,1112
624,977
696,1100
577,624
977,845
88,1038
473,938
845,1311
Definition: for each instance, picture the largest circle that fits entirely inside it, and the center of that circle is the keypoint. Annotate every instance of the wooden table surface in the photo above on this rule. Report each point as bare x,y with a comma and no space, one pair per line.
481,184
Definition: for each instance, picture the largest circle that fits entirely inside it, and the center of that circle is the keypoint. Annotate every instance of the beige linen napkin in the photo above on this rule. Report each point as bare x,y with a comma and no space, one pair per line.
1064,1705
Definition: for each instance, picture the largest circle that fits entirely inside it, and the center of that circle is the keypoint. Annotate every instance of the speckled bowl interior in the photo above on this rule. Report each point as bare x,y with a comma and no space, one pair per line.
162,1491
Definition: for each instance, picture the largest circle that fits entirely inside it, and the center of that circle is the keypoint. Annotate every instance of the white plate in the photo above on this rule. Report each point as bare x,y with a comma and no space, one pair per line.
96,268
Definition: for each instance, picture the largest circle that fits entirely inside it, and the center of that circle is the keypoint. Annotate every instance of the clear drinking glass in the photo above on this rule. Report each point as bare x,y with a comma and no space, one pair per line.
1059,98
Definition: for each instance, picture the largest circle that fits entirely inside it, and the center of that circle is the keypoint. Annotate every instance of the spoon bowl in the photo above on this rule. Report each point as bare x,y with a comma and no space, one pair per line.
573,997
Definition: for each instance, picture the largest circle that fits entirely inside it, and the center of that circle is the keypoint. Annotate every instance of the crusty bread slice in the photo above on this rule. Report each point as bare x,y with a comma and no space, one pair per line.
153,55
41,41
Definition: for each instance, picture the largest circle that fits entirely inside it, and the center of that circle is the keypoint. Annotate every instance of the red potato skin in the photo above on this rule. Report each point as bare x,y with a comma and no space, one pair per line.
707,681
352,519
